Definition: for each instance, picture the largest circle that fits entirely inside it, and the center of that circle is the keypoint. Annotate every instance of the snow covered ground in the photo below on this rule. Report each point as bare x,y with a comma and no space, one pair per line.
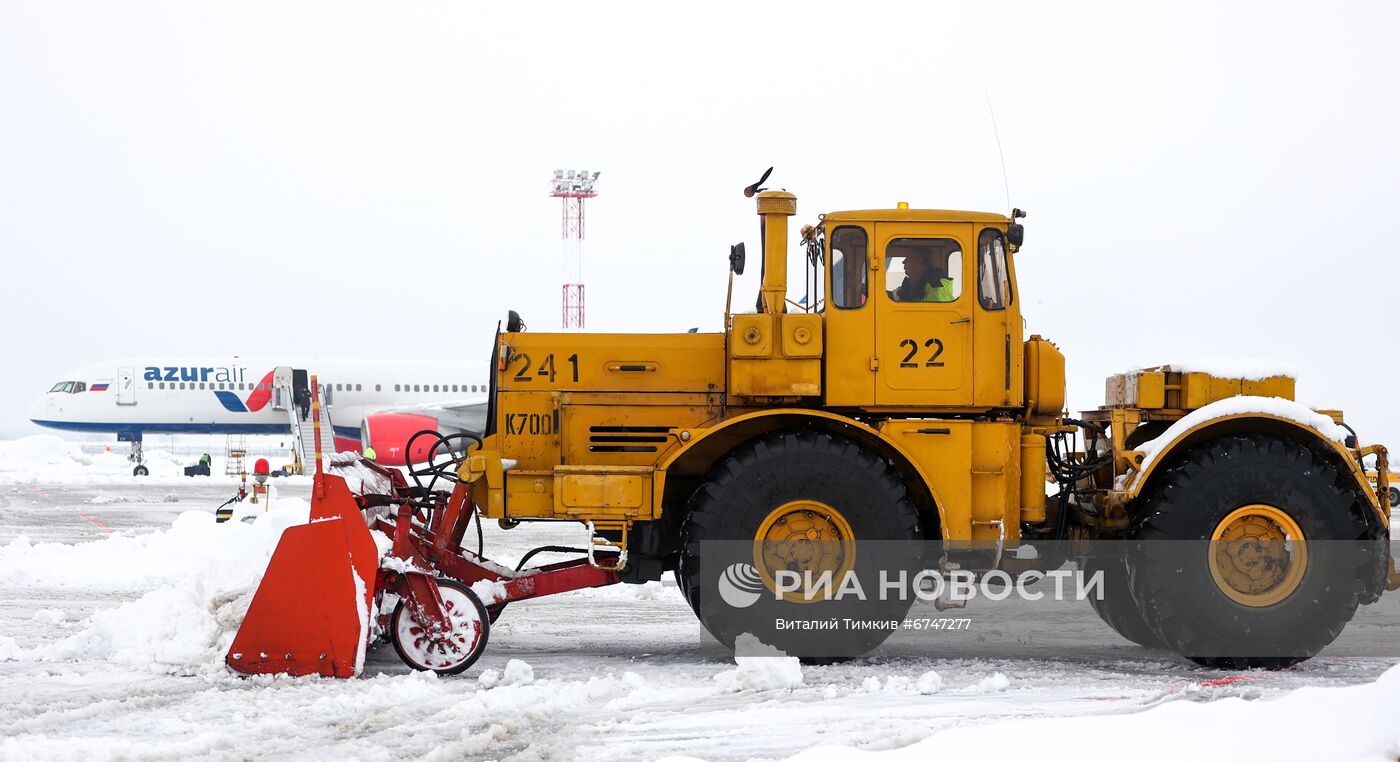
117,597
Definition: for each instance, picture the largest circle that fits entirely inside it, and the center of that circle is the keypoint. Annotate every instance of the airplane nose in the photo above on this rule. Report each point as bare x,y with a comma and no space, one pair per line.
38,410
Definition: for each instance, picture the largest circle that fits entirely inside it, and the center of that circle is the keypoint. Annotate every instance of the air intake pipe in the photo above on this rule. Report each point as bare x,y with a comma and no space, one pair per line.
774,207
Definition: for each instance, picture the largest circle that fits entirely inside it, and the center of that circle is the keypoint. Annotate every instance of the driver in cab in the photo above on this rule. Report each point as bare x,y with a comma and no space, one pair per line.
922,281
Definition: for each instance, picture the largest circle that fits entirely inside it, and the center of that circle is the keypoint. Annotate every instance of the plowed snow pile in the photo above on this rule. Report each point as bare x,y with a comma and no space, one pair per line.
1360,722
44,459
198,576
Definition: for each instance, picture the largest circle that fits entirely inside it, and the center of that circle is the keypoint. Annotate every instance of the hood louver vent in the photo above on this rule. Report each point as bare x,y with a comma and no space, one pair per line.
627,438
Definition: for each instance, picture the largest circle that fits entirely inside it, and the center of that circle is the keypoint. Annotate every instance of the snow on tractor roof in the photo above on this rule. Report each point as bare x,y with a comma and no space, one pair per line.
1248,369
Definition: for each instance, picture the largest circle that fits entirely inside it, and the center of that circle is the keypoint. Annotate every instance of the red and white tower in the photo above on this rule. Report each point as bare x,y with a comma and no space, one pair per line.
574,187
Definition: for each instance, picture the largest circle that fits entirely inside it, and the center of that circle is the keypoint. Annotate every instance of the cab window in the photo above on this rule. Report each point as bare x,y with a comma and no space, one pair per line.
923,270
993,280
849,267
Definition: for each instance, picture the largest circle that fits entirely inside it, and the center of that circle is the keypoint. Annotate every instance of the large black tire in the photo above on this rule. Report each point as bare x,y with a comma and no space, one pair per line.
772,471
1117,607
1169,566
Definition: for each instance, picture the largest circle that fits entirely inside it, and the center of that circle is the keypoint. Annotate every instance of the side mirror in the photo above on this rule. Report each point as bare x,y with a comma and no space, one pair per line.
737,258
1016,234
513,322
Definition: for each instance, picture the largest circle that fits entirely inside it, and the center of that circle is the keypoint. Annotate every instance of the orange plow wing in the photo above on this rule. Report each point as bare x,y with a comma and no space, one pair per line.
312,611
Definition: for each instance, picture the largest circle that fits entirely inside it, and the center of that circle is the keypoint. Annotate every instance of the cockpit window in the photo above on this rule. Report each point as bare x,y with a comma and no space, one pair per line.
79,386
58,387
67,387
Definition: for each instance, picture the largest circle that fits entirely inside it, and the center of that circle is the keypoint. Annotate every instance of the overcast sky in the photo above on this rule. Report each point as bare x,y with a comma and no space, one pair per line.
350,179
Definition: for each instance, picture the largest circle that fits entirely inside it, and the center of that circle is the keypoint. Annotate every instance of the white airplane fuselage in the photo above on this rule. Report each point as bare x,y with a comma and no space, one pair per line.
212,395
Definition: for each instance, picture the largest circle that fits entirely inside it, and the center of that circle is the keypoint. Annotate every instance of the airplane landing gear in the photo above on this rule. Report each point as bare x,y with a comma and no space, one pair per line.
136,456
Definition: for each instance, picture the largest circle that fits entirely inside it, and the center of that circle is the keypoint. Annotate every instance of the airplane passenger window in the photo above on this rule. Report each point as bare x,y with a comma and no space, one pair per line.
357,387
150,384
417,388
396,387
376,387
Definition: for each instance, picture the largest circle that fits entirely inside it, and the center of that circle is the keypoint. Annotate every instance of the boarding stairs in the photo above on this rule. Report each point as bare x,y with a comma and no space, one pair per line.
303,430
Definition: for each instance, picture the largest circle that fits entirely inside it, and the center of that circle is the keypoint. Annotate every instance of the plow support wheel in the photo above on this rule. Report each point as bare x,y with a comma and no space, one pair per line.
311,613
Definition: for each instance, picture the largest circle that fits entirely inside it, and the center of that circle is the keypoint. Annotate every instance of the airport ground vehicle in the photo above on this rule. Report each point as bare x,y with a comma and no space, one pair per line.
903,405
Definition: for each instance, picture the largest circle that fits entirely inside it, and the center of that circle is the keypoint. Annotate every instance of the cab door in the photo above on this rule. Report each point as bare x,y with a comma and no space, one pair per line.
923,314
849,314
126,386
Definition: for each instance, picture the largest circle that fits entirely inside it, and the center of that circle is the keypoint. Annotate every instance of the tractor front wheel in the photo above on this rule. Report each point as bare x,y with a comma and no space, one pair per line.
799,505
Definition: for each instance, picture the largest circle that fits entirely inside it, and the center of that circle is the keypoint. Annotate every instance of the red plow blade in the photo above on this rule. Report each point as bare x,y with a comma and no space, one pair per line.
311,613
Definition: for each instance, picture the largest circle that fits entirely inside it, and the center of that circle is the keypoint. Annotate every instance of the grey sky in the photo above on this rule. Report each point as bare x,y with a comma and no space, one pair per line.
1203,180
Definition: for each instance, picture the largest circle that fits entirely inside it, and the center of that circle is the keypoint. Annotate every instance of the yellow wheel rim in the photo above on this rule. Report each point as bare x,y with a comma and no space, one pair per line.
805,536
1258,555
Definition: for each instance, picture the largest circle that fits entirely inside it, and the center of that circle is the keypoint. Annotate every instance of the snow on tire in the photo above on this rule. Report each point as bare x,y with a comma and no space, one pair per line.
449,655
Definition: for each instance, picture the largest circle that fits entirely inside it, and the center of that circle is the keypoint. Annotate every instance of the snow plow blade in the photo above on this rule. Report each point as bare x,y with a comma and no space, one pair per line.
311,612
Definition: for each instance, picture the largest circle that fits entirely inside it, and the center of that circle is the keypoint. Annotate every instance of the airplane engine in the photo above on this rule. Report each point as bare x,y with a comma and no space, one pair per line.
388,434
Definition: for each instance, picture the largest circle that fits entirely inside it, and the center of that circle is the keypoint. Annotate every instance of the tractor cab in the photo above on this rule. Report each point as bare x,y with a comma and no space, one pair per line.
915,310
934,290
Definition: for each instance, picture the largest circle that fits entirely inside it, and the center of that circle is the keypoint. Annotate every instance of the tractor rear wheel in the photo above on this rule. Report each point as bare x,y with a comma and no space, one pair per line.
799,502
1117,608
1251,551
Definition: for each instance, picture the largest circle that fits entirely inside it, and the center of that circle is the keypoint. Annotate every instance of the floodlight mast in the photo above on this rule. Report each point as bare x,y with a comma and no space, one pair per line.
573,187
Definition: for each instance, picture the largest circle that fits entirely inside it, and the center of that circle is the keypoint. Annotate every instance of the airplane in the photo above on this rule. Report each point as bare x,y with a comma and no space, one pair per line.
388,401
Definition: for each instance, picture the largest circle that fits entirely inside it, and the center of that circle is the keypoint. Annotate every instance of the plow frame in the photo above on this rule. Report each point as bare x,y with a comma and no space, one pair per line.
428,546
284,625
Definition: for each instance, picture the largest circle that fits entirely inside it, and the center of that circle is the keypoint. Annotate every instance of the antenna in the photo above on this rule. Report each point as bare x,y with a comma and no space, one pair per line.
1006,186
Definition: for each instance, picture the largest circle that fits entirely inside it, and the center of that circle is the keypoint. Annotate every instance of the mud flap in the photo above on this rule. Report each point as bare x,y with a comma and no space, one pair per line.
311,614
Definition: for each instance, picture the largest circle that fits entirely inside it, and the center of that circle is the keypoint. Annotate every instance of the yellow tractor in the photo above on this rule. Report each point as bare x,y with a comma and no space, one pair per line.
899,402
891,429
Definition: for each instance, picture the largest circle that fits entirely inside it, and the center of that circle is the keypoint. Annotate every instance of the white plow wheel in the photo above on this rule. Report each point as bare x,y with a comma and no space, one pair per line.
446,655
